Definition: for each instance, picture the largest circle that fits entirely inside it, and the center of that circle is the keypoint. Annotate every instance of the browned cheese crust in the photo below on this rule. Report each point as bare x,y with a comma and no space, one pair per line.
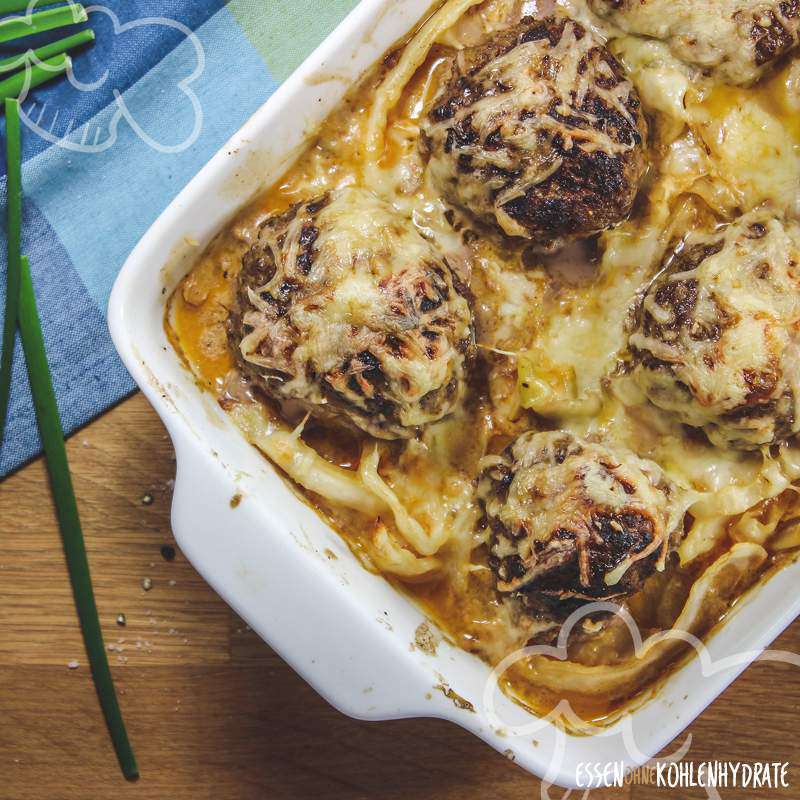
538,133
343,307
574,520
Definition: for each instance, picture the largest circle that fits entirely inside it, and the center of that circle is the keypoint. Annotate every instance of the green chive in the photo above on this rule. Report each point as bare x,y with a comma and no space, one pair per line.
13,234
10,6
13,63
44,401
19,27
52,434
48,70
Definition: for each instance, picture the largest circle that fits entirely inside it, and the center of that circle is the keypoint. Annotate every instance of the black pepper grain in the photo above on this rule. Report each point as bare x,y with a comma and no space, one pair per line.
168,552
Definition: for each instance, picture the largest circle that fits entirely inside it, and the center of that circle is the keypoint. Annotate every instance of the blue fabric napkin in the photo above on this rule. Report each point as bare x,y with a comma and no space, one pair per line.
163,88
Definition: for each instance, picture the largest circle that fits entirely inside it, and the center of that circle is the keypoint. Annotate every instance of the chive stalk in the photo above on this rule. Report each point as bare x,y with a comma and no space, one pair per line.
48,70
52,434
14,236
44,401
10,6
13,63
48,20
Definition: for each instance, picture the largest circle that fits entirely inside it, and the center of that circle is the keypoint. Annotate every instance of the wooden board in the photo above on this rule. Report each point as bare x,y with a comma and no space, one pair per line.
211,710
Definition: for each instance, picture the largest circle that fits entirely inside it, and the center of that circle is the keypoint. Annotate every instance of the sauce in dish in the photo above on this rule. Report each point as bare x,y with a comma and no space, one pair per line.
523,323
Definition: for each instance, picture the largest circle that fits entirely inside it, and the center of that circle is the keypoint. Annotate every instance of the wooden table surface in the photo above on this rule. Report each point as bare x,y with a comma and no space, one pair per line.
212,712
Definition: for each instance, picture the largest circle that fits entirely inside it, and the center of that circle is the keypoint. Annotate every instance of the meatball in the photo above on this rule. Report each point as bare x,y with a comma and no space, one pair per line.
717,339
343,306
733,40
538,133
573,519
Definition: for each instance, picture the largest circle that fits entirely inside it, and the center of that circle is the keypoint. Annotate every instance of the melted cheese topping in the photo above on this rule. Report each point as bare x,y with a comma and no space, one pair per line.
553,340
733,39
719,336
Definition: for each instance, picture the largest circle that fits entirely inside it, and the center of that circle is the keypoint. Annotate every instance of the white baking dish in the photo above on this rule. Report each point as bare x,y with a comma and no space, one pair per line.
294,581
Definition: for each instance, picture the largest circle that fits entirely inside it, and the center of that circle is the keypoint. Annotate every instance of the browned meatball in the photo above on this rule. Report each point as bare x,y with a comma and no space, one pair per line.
733,40
538,133
718,343
343,306
574,520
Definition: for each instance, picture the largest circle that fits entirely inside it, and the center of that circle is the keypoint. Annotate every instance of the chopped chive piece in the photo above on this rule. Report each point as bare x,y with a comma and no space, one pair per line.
10,6
18,27
44,401
13,63
14,233
49,69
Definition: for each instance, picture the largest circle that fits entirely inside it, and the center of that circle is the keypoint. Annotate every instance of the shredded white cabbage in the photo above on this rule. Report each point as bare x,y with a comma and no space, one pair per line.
388,93
303,464
722,579
390,556
425,543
